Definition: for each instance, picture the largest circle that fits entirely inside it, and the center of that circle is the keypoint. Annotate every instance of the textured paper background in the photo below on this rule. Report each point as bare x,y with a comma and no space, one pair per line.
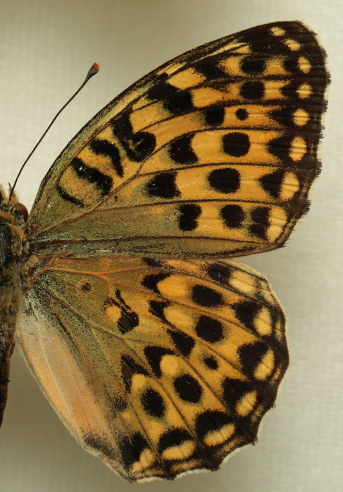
45,49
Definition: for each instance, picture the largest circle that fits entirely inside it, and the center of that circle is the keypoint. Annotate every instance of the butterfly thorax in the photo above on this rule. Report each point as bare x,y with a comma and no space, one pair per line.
11,241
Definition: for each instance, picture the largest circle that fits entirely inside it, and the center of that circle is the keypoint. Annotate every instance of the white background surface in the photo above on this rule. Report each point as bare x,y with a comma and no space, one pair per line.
46,47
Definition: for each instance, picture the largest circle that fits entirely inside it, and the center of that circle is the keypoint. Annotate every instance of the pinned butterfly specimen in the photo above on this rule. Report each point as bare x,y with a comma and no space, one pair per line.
160,354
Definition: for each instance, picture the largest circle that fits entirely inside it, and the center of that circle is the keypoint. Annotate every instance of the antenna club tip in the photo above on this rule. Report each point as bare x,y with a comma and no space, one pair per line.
93,70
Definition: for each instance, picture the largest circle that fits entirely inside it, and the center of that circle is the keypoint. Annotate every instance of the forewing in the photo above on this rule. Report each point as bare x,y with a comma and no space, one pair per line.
211,155
157,367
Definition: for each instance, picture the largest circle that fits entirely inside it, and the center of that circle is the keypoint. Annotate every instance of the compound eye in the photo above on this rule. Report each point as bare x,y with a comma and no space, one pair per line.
20,211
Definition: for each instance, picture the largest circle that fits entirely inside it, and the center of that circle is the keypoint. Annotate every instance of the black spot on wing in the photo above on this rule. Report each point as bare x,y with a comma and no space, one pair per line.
179,103
252,90
242,114
206,296
252,65
173,438
272,183
189,213
224,180
151,281
188,388
260,217
181,151
157,309
68,198
152,262
183,342
211,363
209,329
246,312
236,144
234,390
250,355
154,355
153,403
214,115
163,185
233,216
92,175
211,421
104,147
129,367
210,70
139,145
219,272
131,449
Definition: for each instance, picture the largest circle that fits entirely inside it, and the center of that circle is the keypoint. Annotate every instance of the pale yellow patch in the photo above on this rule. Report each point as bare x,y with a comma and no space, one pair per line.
143,101
304,64
146,459
277,31
272,89
147,116
298,149
304,91
263,322
277,374
292,44
113,312
265,367
246,404
170,365
181,319
232,65
174,287
217,437
205,96
275,67
278,220
300,117
179,452
186,78
138,382
290,186
243,282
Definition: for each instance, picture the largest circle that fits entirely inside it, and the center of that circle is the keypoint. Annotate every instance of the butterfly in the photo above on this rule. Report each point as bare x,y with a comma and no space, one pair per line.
159,352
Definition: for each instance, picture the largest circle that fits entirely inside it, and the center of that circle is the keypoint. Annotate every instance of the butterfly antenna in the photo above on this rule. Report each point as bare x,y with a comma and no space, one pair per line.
92,71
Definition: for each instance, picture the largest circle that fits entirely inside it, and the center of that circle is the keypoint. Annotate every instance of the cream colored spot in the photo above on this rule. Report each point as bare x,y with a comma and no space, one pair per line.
304,91
206,96
243,282
246,404
138,382
278,220
179,318
265,367
186,78
217,437
170,365
263,322
298,149
290,186
300,117
146,459
292,44
279,330
304,64
179,452
277,31
113,312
